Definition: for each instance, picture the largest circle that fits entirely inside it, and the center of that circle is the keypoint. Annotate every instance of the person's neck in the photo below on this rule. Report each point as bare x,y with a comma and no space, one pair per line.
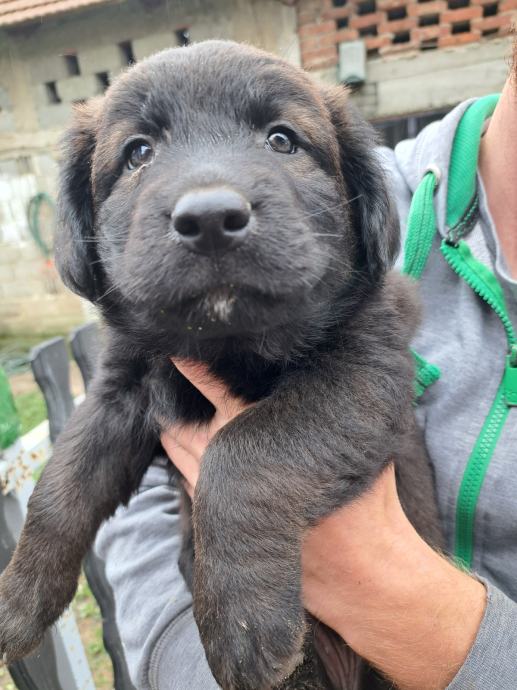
498,168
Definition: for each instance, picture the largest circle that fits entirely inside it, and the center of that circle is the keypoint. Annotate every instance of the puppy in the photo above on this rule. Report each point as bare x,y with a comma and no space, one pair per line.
216,204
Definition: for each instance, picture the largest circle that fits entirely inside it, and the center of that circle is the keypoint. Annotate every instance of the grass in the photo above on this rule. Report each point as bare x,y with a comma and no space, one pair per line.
89,621
31,409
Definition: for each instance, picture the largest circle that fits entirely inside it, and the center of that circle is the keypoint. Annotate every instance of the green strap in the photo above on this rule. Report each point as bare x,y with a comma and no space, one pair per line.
461,189
420,233
421,227
425,375
462,208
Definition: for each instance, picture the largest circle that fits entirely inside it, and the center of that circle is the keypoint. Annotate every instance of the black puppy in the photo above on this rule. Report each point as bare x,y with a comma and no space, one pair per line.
218,205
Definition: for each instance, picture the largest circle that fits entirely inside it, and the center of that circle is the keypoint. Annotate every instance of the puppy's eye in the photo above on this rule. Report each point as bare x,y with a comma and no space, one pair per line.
281,141
138,153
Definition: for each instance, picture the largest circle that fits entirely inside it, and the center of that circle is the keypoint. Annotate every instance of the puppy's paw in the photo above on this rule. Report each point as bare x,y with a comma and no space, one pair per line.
21,630
251,646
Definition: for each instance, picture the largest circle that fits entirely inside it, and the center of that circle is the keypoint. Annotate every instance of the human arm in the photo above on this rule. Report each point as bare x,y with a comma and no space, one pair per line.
367,564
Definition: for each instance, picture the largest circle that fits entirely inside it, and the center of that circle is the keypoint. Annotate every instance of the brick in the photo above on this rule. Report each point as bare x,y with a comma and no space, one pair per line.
321,66
459,39
425,8
309,43
317,55
464,14
346,35
390,4
328,40
427,33
312,43
501,21
508,5
399,48
397,26
365,20
142,47
377,42
320,59
337,12
314,29
305,17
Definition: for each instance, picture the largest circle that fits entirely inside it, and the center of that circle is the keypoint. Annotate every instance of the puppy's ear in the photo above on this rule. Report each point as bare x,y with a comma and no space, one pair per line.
374,214
75,253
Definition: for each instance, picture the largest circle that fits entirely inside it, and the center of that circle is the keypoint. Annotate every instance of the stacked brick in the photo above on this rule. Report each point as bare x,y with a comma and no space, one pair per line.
394,26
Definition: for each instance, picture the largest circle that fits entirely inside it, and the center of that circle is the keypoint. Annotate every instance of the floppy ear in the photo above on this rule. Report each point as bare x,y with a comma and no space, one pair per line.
374,214
75,250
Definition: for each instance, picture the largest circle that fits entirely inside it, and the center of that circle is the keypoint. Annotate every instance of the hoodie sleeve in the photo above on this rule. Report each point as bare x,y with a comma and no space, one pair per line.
492,660
140,547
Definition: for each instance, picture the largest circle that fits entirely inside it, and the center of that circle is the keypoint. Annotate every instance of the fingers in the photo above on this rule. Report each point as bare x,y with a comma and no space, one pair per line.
185,446
186,463
213,390
194,439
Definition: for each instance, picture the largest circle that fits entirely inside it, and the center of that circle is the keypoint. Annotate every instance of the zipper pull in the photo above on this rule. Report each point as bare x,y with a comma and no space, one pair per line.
510,377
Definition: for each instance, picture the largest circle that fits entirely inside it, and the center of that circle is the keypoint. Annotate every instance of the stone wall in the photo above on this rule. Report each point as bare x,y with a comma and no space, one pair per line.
45,68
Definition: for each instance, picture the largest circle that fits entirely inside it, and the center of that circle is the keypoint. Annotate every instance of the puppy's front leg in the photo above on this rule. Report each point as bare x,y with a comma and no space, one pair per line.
98,461
317,442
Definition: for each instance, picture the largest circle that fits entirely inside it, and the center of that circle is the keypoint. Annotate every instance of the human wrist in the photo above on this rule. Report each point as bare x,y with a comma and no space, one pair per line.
409,611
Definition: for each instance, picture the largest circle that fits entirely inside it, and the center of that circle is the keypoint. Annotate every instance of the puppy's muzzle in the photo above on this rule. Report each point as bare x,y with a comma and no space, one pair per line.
212,221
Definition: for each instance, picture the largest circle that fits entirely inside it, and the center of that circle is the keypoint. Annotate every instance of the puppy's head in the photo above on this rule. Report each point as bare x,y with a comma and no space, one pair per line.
217,191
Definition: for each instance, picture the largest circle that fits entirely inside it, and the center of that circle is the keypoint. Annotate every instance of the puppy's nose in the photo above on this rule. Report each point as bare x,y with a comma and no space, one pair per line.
212,220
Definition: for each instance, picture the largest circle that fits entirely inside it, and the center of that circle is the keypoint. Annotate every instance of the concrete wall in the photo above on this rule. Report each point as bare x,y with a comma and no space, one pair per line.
38,86
421,81
32,297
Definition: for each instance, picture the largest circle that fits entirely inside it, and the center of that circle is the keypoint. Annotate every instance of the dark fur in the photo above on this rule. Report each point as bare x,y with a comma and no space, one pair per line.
318,338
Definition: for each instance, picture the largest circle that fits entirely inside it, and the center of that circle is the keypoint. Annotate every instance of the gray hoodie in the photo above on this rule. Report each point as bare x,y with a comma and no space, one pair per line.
465,339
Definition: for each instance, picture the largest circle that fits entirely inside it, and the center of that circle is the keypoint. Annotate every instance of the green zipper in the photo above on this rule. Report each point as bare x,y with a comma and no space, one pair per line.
461,215
486,286
481,280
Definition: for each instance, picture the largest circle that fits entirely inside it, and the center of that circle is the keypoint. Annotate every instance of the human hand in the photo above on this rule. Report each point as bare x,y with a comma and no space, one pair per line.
185,444
368,575
366,572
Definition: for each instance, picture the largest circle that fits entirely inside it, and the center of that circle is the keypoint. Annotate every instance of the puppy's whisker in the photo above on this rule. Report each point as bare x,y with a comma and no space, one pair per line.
325,234
328,209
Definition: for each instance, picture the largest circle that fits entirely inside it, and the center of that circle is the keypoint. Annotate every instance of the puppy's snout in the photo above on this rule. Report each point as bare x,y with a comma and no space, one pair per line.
212,220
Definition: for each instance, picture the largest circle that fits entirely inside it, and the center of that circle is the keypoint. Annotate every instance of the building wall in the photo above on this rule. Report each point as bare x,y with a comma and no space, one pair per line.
431,80
419,56
44,68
